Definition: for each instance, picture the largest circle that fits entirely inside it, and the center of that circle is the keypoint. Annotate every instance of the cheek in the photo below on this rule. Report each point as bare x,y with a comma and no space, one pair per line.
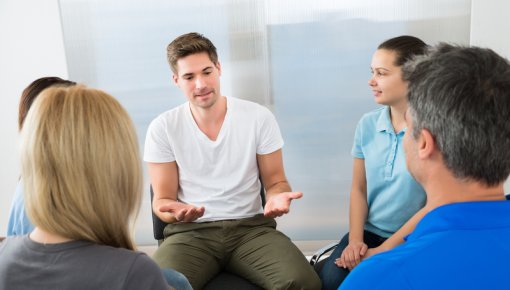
394,89
188,86
400,87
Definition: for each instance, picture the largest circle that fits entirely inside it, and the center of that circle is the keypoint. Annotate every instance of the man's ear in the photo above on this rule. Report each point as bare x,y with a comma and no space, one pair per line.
218,66
426,144
175,78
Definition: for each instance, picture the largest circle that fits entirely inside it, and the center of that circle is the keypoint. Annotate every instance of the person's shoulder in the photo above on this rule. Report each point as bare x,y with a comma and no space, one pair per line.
249,108
112,255
139,270
144,260
368,121
14,239
145,273
109,254
243,104
13,245
173,113
171,116
11,241
139,258
373,115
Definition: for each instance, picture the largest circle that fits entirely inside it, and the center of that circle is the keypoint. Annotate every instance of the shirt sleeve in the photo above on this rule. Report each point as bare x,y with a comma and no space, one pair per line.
145,274
270,138
357,150
158,147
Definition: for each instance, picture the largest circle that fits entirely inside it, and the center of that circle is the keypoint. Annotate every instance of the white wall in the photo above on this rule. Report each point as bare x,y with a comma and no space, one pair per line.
31,47
489,25
489,28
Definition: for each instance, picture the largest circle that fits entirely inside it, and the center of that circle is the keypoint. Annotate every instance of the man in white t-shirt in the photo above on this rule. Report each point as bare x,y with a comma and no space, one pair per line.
205,158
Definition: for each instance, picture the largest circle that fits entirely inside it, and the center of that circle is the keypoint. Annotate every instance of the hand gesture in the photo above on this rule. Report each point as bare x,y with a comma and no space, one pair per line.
278,204
352,255
180,212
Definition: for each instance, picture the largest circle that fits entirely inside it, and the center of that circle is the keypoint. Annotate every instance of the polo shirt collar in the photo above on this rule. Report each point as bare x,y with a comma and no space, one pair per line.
384,122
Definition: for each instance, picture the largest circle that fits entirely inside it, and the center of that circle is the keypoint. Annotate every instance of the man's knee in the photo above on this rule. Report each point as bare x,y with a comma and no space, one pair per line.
194,260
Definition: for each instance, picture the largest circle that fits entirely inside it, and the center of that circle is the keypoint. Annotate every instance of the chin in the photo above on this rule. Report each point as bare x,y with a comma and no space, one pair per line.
380,101
205,104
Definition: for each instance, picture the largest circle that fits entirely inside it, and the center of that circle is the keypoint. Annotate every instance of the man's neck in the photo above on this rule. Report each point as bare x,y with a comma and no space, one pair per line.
213,114
444,188
210,120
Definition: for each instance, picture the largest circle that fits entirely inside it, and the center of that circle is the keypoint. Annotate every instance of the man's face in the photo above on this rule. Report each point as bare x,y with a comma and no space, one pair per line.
199,79
411,148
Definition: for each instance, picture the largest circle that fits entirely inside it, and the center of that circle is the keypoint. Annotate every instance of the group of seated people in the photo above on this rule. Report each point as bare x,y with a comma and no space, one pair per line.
427,203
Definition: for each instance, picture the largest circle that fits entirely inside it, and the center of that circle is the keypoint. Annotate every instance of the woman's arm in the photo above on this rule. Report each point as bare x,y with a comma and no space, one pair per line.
398,237
358,211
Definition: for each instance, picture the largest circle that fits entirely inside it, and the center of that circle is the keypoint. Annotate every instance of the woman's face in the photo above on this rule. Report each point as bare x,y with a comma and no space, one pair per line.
386,81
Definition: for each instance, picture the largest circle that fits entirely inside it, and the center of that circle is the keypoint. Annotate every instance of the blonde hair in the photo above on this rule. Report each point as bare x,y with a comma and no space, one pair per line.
81,166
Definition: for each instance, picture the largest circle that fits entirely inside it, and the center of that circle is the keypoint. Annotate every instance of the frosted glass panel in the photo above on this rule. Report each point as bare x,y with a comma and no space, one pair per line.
308,61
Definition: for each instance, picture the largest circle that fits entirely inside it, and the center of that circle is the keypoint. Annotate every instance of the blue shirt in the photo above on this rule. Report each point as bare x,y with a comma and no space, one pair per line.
456,246
19,224
393,195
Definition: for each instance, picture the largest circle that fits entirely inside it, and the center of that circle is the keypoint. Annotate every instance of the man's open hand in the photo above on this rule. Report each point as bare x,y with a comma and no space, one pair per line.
279,204
180,212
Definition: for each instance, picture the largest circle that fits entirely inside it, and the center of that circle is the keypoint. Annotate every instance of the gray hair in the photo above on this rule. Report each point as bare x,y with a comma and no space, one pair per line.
462,96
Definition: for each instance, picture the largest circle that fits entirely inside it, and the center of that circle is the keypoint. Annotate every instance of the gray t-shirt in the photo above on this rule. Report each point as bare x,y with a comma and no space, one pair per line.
25,264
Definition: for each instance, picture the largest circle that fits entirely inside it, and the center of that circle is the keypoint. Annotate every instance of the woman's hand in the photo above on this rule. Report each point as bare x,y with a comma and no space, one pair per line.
352,255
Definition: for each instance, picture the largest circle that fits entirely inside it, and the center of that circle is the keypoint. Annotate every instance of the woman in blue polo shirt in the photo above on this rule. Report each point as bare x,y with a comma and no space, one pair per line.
384,196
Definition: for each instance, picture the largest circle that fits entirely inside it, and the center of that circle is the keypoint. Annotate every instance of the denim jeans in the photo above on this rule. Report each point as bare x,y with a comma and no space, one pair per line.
176,280
332,275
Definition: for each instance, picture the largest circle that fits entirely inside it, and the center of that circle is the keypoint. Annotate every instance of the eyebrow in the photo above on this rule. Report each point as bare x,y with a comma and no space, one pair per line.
191,74
375,68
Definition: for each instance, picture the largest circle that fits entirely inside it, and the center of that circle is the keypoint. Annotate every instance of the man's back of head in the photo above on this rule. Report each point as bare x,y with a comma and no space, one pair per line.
462,96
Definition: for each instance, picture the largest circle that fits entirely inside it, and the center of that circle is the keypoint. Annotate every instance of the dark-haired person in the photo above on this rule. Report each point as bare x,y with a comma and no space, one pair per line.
19,224
205,158
384,196
456,147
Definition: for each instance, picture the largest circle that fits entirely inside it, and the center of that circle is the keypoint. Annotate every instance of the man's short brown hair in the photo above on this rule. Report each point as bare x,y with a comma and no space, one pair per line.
188,44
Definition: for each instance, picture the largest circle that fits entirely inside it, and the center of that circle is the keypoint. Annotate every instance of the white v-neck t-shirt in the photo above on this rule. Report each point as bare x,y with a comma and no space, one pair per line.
221,175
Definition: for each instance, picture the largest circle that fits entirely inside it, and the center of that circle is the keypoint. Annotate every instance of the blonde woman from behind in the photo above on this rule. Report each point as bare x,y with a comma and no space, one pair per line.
83,182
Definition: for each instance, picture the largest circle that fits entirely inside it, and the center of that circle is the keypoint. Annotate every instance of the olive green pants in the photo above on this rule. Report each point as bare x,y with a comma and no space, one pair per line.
251,248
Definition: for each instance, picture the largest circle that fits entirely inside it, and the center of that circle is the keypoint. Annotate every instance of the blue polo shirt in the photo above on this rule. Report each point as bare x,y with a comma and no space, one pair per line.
392,193
456,246
19,224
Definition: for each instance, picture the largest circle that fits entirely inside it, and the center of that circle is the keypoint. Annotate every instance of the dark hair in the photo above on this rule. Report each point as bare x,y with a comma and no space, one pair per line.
33,90
461,95
187,44
405,46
